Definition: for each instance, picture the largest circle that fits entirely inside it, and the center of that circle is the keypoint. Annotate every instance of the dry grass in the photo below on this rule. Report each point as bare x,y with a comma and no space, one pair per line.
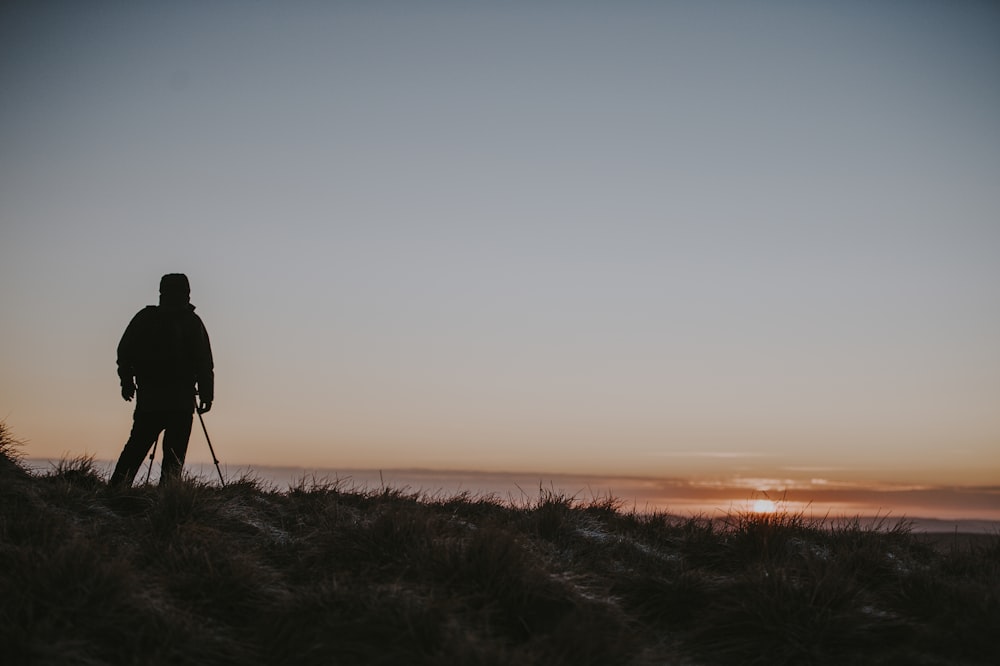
326,574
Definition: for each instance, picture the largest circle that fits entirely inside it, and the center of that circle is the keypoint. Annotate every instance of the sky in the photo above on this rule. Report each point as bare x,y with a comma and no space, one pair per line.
710,240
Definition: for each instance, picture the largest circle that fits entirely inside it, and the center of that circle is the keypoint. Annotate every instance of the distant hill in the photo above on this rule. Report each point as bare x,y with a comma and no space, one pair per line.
244,574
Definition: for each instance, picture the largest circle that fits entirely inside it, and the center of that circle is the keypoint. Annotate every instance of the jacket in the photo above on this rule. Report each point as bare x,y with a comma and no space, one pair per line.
165,350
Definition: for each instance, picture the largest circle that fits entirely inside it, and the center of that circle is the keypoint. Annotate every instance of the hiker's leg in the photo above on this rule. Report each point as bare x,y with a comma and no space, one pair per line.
146,428
175,443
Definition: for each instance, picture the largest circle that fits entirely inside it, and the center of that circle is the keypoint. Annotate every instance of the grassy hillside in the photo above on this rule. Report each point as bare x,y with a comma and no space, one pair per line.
322,574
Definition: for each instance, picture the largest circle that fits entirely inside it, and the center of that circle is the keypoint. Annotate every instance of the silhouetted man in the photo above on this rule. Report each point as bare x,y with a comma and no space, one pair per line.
163,355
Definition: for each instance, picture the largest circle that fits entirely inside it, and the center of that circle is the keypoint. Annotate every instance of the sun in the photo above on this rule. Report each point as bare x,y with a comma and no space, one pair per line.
763,506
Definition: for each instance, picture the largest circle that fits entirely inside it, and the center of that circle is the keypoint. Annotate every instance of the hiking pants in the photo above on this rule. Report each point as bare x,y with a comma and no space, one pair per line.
146,427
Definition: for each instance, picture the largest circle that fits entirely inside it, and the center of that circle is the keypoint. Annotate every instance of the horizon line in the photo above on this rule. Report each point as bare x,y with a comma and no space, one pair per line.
944,503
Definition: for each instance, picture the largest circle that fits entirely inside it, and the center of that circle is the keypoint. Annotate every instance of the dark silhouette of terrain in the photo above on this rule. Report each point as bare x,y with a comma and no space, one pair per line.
191,572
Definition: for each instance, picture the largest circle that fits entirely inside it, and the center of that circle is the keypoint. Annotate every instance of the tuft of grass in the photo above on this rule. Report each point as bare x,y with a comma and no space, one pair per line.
10,457
79,473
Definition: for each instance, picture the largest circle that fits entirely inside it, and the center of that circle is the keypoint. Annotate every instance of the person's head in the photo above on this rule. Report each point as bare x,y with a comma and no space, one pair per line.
174,289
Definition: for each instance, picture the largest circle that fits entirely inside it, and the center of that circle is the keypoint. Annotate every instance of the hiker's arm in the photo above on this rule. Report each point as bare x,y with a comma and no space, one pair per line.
126,356
205,369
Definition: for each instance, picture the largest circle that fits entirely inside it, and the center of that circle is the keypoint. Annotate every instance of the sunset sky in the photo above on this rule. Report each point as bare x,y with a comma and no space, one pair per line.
712,241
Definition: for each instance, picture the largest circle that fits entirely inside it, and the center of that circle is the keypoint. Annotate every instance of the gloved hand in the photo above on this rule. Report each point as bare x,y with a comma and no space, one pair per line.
128,392
204,406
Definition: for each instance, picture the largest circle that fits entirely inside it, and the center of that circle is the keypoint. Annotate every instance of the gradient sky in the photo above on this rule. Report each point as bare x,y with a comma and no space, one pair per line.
641,238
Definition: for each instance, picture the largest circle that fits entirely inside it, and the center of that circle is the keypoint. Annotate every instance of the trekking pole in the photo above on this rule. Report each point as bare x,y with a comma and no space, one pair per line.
207,439
151,456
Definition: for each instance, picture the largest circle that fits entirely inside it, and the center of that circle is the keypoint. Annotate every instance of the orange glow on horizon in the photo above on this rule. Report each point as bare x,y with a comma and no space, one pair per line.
679,496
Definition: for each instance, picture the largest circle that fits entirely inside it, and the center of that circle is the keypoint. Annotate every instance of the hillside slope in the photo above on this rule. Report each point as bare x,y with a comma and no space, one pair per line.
322,574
